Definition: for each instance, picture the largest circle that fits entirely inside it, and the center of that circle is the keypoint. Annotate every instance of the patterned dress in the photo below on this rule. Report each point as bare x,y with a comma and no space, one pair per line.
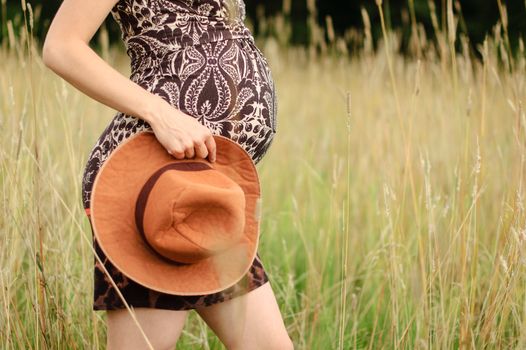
200,57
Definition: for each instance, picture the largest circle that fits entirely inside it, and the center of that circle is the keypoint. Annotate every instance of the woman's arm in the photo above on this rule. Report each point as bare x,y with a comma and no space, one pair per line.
66,51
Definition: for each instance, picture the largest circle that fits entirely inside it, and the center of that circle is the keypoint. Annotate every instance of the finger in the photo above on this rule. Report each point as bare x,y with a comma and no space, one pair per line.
201,150
211,146
189,152
189,148
177,151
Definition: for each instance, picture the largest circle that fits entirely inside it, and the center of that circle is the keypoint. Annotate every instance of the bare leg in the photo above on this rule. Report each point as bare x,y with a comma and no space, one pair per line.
162,327
250,321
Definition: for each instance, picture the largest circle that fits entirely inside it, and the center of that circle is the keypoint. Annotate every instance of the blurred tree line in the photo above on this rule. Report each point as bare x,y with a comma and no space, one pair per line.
295,21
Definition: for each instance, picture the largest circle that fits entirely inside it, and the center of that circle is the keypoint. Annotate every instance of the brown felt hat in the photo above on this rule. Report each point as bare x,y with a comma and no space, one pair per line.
178,226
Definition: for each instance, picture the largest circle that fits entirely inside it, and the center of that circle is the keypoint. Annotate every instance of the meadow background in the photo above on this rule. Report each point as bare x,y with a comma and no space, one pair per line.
393,194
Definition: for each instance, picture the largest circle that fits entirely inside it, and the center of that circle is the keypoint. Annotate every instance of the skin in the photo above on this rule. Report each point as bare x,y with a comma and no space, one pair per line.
250,321
66,51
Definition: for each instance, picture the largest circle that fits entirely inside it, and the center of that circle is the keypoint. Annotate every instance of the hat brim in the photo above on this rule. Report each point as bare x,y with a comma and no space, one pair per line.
113,200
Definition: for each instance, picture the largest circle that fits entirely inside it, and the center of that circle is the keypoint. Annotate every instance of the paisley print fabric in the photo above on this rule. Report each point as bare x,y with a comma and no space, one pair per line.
200,57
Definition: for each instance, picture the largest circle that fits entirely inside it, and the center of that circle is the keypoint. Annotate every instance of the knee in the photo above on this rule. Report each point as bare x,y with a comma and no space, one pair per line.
281,343
168,343
161,328
158,343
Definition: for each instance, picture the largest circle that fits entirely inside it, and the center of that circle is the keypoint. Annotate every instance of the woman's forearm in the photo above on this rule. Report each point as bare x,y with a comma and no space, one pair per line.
76,62
67,52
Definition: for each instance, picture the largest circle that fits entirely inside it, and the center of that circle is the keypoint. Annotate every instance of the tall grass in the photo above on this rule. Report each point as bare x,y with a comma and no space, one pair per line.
393,221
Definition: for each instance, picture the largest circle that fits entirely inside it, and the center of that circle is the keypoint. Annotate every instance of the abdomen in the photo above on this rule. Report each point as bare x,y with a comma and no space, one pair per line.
227,85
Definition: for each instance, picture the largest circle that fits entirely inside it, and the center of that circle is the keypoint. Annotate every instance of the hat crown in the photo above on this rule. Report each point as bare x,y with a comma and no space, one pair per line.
191,211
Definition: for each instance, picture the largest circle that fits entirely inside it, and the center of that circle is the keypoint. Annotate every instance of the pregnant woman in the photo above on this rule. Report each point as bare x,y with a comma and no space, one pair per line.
195,72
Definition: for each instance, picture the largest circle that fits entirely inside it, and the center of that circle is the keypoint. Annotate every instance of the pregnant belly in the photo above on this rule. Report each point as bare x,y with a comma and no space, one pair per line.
227,85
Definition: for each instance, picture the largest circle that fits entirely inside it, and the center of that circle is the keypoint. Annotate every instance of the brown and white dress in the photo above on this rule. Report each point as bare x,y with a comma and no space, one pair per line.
204,61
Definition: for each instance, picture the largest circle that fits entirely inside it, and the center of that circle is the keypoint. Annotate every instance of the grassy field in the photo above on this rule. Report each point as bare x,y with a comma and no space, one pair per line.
393,199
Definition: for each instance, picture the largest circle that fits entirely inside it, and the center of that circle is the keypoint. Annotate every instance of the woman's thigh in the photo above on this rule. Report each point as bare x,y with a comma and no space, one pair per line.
162,327
250,321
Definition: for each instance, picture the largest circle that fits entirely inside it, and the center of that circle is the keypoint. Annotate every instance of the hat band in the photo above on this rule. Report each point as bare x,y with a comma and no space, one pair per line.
147,188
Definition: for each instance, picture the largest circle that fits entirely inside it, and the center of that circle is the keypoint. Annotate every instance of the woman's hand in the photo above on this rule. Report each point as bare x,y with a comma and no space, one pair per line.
181,134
